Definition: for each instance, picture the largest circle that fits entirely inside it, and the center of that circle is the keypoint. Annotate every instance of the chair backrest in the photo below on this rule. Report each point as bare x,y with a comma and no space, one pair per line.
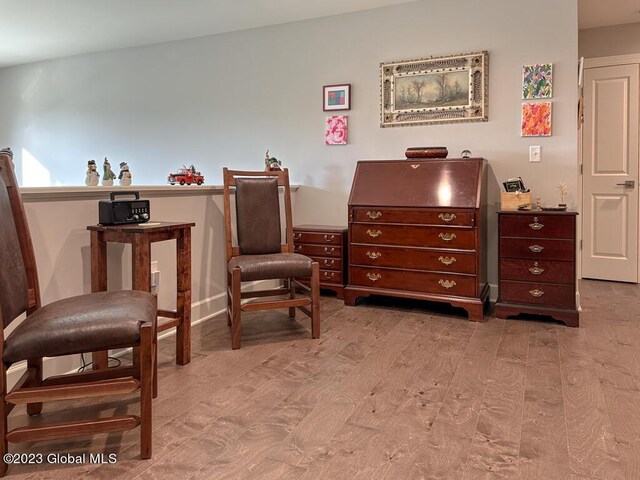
19,290
257,200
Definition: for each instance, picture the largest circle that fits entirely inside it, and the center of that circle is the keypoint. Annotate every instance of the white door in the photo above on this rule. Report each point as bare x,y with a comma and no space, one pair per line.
610,173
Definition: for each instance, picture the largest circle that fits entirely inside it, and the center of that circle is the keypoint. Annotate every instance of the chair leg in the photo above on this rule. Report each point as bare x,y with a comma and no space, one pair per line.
36,381
292,295
236,294
229,301
315,300
146,389
4,445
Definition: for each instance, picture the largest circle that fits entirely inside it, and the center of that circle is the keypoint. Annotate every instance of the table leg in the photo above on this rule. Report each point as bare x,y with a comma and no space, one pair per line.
141,262
99,284
183,330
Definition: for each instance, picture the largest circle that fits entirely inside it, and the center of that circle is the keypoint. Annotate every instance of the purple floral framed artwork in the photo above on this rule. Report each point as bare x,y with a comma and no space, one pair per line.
336,97
335,132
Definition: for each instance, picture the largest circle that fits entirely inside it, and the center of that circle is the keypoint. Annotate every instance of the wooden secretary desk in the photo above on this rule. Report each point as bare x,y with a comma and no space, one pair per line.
417,230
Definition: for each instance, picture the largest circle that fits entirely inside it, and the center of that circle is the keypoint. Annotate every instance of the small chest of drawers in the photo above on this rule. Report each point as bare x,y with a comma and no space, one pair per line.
537,270
326,245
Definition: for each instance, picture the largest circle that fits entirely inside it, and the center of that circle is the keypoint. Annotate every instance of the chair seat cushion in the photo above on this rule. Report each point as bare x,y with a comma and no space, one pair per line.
271,266
85,323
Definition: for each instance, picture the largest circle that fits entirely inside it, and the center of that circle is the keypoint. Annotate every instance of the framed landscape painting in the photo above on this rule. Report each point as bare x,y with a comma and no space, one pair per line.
449,89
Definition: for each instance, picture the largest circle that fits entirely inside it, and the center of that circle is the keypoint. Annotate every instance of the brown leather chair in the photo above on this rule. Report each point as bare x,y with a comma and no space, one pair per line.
82,324
260,254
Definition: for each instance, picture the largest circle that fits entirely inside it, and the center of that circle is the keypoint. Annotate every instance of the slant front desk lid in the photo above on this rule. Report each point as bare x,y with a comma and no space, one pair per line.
454,183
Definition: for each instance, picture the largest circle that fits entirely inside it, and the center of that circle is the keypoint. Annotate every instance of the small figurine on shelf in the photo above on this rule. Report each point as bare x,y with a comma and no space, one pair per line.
538,203
93,177
108,176
125,175
271,163
562,190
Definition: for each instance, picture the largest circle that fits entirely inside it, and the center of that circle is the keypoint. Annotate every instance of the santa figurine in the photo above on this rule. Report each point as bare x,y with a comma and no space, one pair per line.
93,177
125,175
108,176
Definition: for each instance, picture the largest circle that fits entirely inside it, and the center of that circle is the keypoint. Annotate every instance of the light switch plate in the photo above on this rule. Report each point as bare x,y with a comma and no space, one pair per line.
535,154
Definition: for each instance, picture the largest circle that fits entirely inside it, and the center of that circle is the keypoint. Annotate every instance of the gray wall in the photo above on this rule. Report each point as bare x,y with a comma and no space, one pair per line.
608,41
223,100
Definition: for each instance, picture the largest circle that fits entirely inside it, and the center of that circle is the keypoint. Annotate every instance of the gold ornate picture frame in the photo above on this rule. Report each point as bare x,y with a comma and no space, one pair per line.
449,89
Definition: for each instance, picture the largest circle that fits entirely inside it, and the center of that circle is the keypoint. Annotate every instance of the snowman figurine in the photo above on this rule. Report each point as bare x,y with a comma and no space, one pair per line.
108,176
125,175
93,177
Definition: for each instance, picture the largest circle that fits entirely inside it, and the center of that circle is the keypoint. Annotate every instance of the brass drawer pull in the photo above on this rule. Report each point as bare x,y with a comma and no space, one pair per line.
447,217
328,250
536,293
536,248
373,255
447,260
447,283
414,166
374,233
328,275
297,248
536,225
329,263
297,236
447,237
329,238
373,215
536,270
374,277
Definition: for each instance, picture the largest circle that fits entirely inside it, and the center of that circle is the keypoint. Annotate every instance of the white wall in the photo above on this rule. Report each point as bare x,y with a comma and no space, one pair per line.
608,41
223,100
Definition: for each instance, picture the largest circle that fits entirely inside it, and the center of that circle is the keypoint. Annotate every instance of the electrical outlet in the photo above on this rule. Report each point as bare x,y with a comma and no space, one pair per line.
535,154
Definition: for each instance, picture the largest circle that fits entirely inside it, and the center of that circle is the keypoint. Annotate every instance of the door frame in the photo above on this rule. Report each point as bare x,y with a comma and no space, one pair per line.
611,61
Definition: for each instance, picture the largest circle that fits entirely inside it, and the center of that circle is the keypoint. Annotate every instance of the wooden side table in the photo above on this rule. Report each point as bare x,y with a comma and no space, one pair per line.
141,236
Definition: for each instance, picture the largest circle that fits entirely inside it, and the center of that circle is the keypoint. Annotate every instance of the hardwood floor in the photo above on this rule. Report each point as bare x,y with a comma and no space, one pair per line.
394,390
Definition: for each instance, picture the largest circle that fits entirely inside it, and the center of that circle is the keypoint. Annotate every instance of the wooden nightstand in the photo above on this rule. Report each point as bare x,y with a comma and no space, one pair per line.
327,246
537,253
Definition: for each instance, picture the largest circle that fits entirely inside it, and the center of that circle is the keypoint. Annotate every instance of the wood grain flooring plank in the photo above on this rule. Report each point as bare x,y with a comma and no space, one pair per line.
386,396
623,407
496,442
268,469
326,419
543,445
592,447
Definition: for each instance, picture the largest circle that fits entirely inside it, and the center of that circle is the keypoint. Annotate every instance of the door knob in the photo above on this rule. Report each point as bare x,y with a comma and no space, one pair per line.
627,184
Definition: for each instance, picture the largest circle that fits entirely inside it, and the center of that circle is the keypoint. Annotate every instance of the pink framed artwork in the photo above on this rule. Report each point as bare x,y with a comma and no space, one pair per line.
335,132
336,97
536,119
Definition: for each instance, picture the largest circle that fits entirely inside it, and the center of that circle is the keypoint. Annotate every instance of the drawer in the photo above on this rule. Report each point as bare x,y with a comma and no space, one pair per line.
328,263
319,250
408,280
409,216
330,276
537,226
330,238
533,293
417,259
413,236
537,248
537,271
326,276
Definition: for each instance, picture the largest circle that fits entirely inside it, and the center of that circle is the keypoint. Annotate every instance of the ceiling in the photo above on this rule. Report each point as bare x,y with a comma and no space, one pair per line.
602,13
34,30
